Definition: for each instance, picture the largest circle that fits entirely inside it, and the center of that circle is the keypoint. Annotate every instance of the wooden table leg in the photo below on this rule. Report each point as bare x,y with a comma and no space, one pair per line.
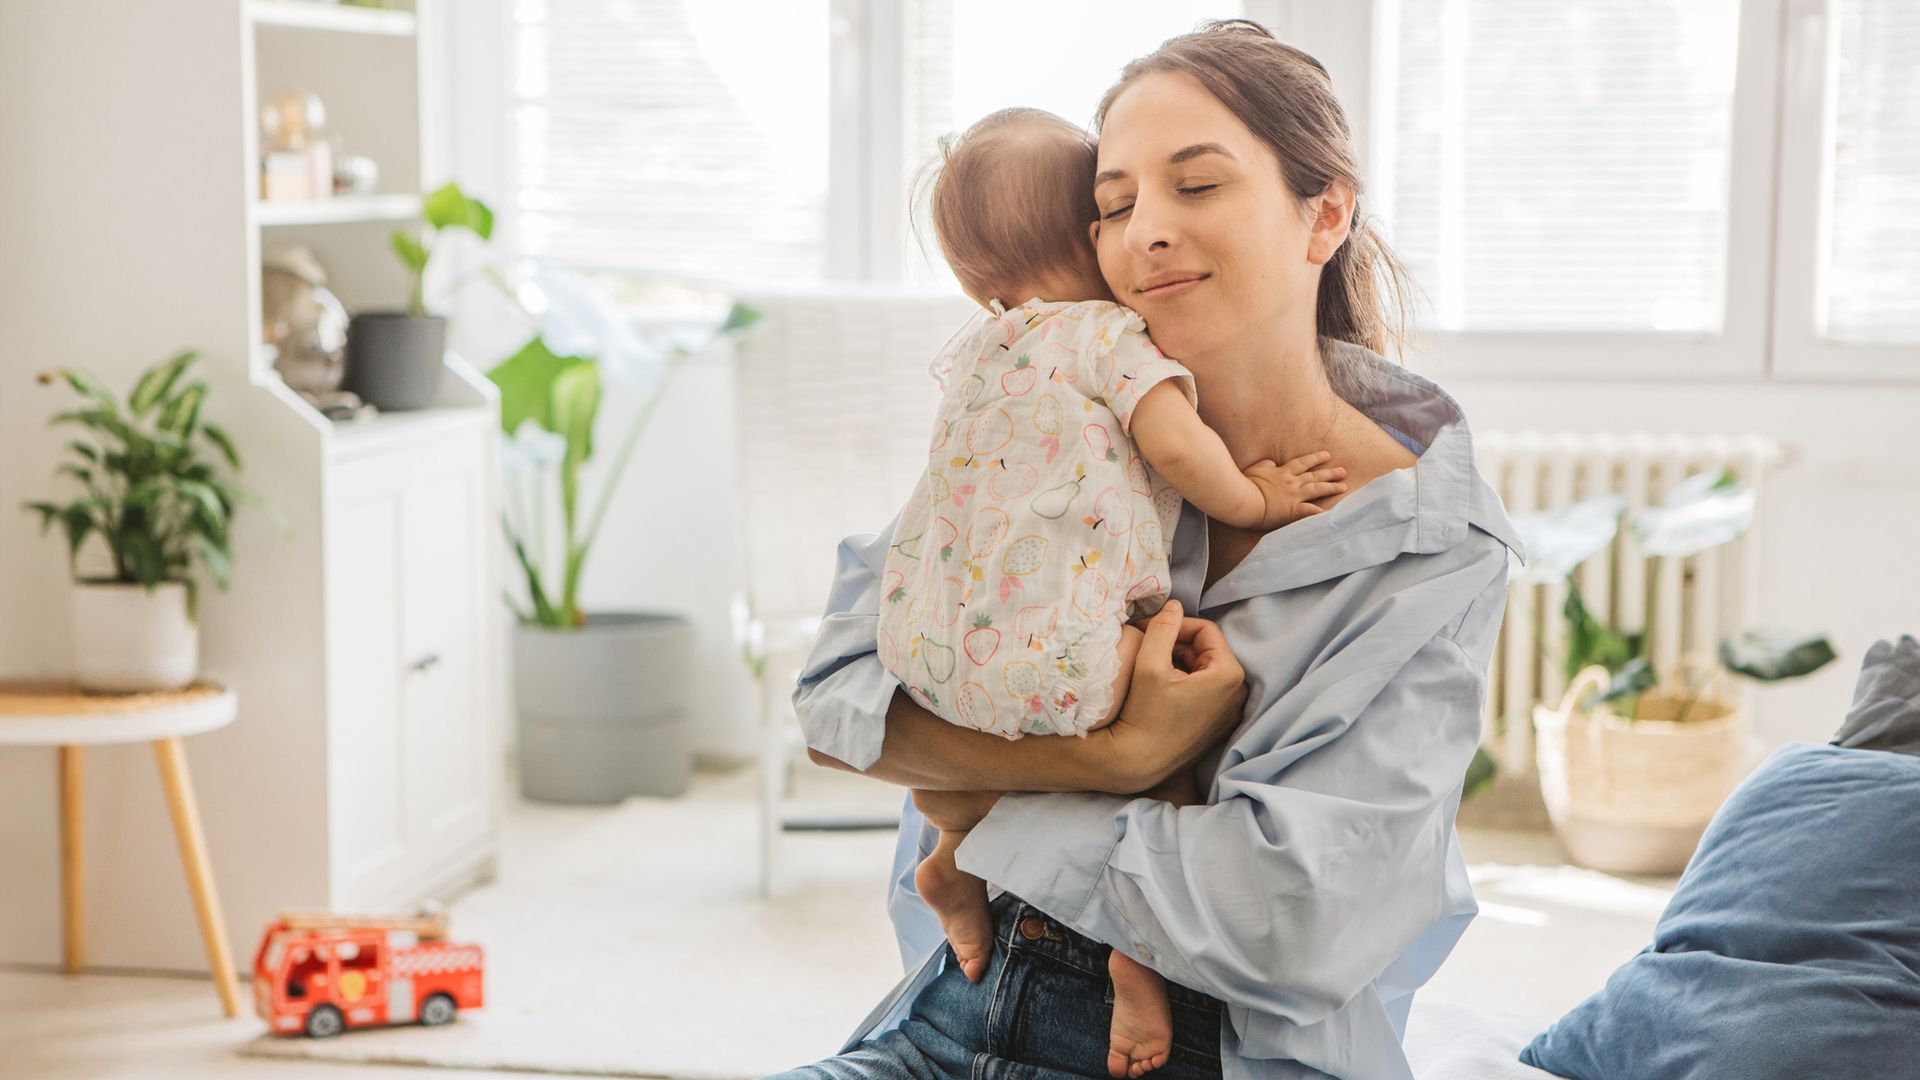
73,857
172,759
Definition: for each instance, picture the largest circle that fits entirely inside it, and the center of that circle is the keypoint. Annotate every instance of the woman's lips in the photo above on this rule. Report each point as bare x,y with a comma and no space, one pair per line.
1173,283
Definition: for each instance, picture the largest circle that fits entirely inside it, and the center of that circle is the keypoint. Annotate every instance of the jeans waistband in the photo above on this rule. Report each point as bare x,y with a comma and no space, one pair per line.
1021,927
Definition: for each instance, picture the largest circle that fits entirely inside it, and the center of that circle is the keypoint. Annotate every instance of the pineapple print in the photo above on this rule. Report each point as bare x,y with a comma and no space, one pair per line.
1023,557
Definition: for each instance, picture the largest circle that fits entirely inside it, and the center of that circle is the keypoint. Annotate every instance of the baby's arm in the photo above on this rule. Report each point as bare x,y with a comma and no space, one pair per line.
1181,447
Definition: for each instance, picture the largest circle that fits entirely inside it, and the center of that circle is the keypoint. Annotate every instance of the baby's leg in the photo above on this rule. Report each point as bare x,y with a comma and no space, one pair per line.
1142,1033
1130,639
960,899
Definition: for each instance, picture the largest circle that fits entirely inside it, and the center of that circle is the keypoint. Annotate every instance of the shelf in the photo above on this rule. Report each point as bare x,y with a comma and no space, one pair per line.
339,209
304,15
384,431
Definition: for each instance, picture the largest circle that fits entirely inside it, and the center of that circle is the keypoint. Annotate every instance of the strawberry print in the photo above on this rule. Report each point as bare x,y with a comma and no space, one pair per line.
1020,381
981,642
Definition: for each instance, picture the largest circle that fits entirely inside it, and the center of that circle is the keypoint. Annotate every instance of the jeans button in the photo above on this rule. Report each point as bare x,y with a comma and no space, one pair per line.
1032,928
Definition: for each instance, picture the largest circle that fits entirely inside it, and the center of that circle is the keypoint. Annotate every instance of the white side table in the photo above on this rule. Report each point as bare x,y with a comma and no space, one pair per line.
56,713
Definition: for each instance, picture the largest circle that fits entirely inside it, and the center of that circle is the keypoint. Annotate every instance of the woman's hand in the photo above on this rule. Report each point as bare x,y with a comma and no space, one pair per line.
954,811
1188,692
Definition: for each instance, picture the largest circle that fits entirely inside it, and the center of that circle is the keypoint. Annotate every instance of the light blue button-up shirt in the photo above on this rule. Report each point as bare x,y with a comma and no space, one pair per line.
1322,882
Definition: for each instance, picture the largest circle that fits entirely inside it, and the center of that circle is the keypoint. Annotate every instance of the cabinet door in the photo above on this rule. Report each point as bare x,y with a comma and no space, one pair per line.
445,598
366,784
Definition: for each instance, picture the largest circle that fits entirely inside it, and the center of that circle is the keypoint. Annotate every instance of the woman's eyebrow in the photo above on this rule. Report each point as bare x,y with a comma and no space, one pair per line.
1185,153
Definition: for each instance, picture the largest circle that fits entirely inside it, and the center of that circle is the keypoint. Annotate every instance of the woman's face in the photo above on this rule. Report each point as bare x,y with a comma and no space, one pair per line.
1197,230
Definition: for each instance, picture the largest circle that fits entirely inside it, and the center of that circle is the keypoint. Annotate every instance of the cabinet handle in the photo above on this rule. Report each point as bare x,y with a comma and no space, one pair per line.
425,662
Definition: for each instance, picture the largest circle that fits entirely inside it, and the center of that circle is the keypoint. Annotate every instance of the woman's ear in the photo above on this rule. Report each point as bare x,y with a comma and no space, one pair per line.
1093,230
1333,220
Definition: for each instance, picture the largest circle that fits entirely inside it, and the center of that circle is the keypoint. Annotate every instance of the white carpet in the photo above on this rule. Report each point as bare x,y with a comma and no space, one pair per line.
632,941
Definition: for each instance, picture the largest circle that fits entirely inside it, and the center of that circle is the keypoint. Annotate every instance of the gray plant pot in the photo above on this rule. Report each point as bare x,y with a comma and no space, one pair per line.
603,710
395,360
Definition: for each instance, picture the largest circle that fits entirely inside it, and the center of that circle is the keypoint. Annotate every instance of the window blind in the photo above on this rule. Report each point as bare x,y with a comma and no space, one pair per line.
1558,167
687,140
1872,279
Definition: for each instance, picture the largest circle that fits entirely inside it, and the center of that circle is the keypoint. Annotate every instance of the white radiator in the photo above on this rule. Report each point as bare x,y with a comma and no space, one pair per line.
1697,600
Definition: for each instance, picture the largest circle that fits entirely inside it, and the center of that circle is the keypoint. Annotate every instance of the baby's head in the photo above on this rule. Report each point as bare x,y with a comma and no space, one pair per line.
1011,206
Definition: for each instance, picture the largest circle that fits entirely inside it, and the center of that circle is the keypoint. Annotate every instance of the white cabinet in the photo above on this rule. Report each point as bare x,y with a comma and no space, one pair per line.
412,784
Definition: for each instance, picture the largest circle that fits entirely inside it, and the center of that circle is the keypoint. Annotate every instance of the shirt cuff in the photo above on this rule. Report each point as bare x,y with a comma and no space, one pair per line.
849,722
1049,849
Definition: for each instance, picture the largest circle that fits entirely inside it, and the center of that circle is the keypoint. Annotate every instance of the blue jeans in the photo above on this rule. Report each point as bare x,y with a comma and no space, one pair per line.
1042,1012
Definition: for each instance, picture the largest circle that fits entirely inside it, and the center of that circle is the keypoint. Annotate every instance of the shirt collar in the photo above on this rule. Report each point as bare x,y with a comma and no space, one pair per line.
1421,510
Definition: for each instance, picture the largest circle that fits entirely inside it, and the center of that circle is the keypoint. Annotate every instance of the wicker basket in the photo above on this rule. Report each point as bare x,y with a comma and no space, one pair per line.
1632,796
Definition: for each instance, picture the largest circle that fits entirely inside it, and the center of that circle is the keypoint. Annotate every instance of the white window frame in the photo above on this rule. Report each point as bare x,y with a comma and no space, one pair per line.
1800,352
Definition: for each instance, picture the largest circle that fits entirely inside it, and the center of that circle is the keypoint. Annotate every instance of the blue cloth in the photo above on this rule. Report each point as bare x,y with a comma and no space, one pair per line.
1322,884
1045,1005
1791,947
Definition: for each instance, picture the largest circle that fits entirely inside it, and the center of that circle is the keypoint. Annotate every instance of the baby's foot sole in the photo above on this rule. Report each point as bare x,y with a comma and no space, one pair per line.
960,900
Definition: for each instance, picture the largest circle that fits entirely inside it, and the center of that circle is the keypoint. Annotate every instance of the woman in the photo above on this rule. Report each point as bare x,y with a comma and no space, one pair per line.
1342,660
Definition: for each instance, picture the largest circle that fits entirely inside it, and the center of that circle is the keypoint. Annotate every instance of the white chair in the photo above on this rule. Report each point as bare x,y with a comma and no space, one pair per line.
834,412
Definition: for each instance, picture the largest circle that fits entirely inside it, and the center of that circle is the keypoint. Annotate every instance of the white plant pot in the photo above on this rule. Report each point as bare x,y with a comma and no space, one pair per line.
127,639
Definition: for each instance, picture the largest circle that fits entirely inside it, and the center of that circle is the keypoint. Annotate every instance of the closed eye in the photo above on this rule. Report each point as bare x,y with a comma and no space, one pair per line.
1197,189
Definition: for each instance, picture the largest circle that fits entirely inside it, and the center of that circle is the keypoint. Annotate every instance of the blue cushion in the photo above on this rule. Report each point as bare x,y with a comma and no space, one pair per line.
1791,948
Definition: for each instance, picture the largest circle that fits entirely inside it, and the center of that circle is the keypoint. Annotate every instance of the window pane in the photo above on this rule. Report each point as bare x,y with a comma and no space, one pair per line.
665,136
1559,167
1872,283
1059,56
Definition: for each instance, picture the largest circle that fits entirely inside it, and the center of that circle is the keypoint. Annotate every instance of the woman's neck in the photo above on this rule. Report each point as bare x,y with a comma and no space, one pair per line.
1270,398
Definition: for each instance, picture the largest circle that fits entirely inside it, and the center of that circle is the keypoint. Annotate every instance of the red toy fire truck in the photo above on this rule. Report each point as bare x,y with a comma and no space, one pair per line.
320,974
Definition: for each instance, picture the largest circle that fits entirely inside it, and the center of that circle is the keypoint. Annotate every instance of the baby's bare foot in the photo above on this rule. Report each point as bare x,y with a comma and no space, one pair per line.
960,899
1142,1035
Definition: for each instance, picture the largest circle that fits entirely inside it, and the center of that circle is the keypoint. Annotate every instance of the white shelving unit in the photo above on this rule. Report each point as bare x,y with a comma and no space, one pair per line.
365,637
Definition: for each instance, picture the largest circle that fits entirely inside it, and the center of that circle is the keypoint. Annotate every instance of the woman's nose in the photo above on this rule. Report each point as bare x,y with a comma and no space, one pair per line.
1148,230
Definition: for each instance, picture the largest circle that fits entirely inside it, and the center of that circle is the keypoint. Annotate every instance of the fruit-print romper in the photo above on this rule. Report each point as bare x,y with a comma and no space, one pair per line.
1038,530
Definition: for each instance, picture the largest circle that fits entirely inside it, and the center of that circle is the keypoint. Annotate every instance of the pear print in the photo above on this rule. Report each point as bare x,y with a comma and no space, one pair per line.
938,659
1111,513
1024,556
1020,381
981,642
974,706
1012,481
1054,502
971,391
910,547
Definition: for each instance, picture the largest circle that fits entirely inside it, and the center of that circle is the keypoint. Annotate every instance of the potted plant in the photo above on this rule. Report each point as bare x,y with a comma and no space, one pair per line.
602,698
154,497
1633,762
394,358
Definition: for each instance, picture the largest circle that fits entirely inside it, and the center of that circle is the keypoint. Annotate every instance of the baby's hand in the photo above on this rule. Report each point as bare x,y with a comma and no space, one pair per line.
1289,488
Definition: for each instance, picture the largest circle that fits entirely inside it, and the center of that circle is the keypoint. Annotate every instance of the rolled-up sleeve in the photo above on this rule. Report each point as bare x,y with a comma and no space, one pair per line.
843,691
1321,855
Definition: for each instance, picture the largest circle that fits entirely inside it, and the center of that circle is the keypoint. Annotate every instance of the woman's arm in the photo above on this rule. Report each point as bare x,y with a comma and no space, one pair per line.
856,717
1169,719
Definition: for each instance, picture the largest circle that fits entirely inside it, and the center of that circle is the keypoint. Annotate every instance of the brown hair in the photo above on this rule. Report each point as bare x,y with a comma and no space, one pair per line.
1285,97
1006,219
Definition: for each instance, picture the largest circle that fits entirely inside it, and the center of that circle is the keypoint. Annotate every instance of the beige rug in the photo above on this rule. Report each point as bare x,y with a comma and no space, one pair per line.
633,942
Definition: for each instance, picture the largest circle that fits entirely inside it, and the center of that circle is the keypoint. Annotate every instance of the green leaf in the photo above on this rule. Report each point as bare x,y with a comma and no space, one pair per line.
526,380
88,385
445,206
85,450
212,510
408,247
219,437
180,415
741,316
85,476
1634,678
217,559
149,564
1771,656
78,523
158,382
1589,641
480,219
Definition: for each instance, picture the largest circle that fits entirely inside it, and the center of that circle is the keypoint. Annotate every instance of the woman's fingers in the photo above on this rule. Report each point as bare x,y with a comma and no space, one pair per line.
1163,631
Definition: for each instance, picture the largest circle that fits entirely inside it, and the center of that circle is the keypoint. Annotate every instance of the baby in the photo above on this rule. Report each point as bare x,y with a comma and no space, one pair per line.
1064,445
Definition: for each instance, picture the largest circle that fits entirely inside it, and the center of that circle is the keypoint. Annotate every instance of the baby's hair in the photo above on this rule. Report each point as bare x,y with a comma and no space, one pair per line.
1006,220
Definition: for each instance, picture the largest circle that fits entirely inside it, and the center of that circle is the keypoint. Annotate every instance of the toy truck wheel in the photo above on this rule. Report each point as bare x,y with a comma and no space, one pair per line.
436,1010
324,1022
